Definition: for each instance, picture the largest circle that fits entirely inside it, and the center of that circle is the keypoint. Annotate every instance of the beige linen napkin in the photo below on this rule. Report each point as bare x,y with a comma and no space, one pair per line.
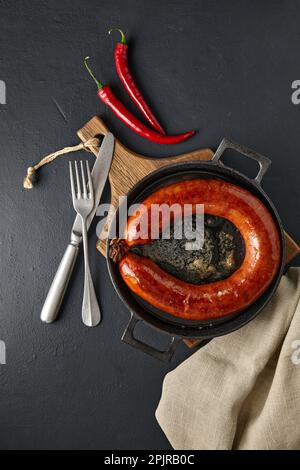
241,391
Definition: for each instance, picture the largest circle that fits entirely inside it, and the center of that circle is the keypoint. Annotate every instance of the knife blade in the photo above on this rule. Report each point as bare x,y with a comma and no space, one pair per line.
99,176
62,277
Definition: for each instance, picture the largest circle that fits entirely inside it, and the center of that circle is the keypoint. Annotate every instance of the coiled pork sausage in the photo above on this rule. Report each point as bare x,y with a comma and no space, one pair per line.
222,297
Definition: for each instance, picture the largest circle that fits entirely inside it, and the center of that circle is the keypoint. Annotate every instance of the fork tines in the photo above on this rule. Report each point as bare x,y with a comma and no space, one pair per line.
82,190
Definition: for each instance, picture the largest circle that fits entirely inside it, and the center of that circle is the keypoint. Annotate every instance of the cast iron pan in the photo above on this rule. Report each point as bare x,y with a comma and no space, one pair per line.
178,328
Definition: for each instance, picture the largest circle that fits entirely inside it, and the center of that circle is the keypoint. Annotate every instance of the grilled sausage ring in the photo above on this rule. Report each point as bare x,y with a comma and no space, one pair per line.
223,297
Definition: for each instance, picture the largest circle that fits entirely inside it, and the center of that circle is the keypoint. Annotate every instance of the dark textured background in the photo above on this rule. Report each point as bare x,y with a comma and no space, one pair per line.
223,67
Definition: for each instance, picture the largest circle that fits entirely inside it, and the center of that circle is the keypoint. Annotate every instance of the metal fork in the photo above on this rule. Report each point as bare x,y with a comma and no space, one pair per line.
83,202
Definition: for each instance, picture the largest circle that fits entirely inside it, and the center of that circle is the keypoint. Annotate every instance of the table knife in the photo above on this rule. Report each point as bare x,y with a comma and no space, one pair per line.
62,277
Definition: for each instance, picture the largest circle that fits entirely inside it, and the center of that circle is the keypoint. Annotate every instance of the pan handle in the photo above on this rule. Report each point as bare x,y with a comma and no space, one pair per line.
129,338
263,161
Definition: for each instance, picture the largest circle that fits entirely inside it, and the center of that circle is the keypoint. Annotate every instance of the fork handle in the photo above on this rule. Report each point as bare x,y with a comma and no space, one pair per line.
91,315
59,284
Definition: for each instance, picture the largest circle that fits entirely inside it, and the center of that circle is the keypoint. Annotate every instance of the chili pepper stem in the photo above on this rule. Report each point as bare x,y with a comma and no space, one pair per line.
123,37
98,83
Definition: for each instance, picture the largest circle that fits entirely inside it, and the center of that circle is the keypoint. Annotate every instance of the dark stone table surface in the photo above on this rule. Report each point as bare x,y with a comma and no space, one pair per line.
224,68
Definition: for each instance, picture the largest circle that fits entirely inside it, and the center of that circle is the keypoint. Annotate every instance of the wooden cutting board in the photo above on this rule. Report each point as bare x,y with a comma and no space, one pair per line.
128,168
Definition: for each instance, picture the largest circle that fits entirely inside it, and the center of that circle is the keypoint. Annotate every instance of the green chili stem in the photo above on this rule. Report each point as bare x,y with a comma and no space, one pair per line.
98,83
123,37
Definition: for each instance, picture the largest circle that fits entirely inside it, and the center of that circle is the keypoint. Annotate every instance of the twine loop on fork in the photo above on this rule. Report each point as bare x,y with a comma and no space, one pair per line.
28,181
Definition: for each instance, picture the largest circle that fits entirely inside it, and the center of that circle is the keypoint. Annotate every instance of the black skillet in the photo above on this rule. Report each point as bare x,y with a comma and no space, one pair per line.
177,328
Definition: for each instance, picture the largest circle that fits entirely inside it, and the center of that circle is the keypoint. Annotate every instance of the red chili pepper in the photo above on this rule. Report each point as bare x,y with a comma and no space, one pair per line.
121,61
107,96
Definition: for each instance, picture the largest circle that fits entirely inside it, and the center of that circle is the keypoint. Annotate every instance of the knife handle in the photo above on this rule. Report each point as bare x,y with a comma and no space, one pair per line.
59,284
